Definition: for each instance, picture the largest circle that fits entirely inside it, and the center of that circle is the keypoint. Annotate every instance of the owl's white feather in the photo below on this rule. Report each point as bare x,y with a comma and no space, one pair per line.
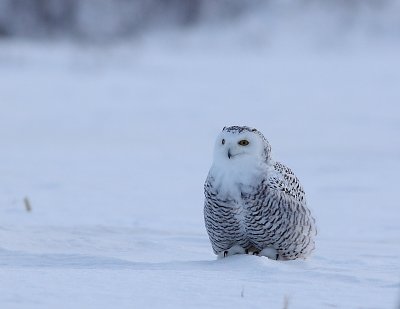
253,202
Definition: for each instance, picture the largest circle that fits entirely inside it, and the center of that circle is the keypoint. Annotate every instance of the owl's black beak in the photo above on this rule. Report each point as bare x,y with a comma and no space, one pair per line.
229,154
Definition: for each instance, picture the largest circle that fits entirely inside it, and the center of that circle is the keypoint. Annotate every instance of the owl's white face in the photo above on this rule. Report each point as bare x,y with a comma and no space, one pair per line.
240,159
231,147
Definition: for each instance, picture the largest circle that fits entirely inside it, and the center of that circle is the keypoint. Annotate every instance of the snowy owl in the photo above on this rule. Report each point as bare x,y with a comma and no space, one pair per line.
254,204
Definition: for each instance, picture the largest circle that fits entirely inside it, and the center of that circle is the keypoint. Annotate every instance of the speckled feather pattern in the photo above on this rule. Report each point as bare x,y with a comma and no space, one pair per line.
271,214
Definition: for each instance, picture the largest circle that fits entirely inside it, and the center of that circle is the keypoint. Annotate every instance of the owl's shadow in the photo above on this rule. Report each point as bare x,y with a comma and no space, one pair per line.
22,259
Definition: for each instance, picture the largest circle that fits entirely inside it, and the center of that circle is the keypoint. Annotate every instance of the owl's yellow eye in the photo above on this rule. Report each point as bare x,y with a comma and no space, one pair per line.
223,141
243,142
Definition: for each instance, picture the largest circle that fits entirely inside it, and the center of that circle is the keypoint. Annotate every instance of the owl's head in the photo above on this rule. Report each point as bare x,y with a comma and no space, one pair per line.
235,144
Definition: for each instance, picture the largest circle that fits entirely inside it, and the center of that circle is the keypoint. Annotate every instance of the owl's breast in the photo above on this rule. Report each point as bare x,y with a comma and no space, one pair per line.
237,180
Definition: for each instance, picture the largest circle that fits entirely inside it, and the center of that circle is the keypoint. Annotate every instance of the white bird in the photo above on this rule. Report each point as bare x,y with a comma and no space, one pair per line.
254,204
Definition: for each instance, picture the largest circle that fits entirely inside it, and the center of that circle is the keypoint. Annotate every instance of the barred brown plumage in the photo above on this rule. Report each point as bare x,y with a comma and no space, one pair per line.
254,204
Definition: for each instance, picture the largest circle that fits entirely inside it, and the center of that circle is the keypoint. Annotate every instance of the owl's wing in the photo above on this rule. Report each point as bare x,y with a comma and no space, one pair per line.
283,179
294,227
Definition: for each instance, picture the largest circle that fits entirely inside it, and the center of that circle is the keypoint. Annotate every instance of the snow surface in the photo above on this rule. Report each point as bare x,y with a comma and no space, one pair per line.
112,146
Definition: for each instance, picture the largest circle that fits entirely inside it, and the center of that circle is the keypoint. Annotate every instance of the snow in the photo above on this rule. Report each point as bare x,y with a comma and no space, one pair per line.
112,146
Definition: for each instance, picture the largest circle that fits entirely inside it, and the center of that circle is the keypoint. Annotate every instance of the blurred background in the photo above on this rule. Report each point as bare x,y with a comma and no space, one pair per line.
100,100
121,19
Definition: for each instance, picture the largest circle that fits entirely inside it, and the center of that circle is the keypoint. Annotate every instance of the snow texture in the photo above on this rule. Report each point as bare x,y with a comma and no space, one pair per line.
112,145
